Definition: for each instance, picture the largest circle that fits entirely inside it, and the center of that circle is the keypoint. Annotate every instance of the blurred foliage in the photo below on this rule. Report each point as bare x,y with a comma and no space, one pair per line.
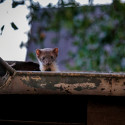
99,35
98,32
15,3
32,56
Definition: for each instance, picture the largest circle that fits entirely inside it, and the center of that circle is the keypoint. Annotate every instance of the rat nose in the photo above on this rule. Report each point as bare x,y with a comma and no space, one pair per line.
48,63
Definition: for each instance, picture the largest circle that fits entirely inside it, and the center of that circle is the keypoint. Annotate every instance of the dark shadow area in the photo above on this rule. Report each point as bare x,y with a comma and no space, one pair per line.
42,108
24,66
106,110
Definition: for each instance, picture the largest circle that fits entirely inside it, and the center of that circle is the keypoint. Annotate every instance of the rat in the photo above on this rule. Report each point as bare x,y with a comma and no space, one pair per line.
47,59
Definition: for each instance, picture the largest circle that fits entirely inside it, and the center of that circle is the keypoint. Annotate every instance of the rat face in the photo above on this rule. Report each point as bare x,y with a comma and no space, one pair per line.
47,56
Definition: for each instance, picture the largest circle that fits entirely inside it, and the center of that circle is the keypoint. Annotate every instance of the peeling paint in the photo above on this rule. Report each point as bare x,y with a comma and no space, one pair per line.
65,83
53,83
77,86
109,80
31,81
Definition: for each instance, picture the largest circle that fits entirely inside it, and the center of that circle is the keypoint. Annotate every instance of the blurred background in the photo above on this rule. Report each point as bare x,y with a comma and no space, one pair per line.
90,34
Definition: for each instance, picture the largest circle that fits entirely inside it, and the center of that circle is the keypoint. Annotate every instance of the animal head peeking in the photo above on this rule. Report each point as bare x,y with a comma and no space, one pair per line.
47,56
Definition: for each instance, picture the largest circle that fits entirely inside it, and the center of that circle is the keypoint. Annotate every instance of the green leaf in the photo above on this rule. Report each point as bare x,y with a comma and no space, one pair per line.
2,29
14,26
32,56
76,43
1,1
22,44
49,5
16,3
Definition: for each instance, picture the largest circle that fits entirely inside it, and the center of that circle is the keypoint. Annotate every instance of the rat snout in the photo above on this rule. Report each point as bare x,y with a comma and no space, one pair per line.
48,63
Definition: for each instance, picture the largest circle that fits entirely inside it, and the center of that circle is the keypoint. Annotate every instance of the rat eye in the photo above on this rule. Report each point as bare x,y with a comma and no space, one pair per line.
51,57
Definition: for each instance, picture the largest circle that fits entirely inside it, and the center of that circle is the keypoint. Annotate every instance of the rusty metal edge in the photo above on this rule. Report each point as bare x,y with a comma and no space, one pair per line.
7,67
88,74
64,74
8,81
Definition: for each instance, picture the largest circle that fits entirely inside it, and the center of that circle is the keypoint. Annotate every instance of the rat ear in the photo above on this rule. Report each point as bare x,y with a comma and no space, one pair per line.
55,50
38,52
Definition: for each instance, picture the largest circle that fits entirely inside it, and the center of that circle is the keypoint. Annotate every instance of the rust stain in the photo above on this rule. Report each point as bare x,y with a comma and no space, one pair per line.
36,78
109,80
25,78
67,83
51,82
77,86
31,81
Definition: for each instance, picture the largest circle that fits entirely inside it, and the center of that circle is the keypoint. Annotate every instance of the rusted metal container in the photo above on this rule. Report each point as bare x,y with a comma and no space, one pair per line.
85,96
25,78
